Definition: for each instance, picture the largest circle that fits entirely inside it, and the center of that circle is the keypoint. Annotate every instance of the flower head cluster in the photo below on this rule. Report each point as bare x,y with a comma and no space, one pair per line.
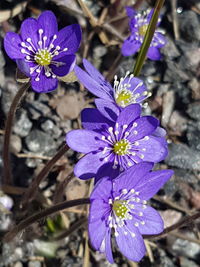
121,205
138,26
128,140
42,52
120,148
128,90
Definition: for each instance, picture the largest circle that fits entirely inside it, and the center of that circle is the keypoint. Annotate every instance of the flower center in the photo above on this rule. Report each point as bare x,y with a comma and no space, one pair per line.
143,29
121,147
124,97
43,57
120,208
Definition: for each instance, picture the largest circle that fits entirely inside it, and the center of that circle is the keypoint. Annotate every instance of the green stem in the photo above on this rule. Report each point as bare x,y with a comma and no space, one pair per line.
40,215
7,177
33,188
148,38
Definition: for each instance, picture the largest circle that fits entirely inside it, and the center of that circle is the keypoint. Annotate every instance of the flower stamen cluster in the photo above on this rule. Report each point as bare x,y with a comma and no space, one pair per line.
122,93
119,146
125,91
125,207
42,54
139,23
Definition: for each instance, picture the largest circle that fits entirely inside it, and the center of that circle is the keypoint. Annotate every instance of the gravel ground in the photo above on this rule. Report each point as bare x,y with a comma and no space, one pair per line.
42,121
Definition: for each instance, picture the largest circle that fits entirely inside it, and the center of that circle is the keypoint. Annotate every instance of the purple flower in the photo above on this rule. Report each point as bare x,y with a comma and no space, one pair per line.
132,138
42,52
126,91
138,26
121,205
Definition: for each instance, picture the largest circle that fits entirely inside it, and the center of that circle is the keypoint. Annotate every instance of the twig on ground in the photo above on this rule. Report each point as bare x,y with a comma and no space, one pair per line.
32,156
93,21
113,69
77,225
185,221
172,204
58,195
175,19
184,237
33,188
7,172
42,214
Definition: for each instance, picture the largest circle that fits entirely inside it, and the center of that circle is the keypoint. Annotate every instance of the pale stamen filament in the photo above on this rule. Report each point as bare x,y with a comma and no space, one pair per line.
29,40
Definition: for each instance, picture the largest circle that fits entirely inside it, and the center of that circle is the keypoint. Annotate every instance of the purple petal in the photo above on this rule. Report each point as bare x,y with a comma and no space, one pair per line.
96,75
155,149
137,85
159,132
102,191
129,114
150,184
131,177
97,236
45,84
131,247
133,25
93,120
107,108
130,46
98,209
159,39
12,45
130,12
91,84
25,67
150,15
153,222
108,249
107,170
88,166
145,126
67,66
69,37
84,141
29,29
153,53
48,22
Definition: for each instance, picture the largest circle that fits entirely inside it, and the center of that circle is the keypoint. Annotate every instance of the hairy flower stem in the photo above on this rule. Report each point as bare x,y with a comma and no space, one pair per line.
33,188
7,177
148,38
40,215
185,221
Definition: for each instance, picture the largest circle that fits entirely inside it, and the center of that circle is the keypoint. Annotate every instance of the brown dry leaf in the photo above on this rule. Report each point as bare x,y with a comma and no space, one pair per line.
195,199
77,188
170,217
69,106
65,219
69,5
69,78
63,174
